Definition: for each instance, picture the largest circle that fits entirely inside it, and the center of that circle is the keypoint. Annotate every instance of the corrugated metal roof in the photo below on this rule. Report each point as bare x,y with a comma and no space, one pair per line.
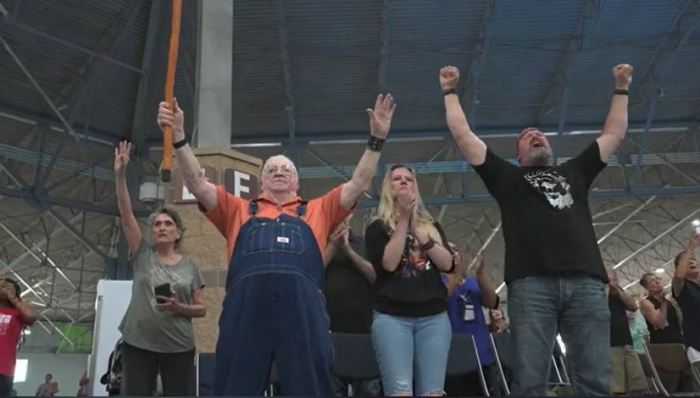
337,61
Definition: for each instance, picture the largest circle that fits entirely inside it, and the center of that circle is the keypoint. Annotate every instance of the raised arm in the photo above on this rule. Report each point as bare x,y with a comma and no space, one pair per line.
192,173
335,242
362,265
472,147
657,317
614,289
683,265
454,278
380,123
615,126
627,300
126,214
489,297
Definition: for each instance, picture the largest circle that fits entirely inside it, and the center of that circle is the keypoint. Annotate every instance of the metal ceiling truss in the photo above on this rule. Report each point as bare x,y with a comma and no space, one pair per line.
488,23
633,257
650,84
557,93
358,137
52,299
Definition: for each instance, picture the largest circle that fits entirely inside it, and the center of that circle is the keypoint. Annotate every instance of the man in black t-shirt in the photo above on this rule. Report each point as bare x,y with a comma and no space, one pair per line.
553,267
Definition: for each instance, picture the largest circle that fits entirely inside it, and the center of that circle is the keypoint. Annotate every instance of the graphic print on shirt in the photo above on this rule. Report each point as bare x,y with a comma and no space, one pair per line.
553,186
5,321
413,260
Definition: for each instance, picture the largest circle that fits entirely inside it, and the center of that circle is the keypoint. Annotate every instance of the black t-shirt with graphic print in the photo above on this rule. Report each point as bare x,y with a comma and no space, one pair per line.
547,223
414,289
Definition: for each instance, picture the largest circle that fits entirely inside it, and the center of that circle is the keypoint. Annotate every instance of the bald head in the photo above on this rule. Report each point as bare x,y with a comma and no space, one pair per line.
279,176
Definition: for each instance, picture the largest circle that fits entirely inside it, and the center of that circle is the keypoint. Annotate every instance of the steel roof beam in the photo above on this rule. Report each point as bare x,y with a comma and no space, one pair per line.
557,92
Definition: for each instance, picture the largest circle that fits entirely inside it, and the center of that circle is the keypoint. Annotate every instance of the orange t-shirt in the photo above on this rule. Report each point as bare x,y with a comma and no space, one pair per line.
323,214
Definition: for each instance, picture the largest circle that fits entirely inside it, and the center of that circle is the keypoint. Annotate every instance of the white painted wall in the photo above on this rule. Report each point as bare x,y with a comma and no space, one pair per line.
65,368
113,298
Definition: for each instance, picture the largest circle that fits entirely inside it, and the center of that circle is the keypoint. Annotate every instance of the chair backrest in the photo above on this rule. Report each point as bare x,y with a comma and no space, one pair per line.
464,359
354,357
650,372
669,357
504,349
501,345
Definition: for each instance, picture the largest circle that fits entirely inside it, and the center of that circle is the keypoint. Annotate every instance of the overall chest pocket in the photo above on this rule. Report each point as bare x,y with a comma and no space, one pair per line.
274,236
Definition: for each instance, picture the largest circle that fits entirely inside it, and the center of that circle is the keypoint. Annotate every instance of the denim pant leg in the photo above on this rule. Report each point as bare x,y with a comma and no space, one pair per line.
392,338
432,338
533,307
585,329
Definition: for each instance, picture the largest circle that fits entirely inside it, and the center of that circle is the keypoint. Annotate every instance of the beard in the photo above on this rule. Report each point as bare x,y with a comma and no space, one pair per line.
539,156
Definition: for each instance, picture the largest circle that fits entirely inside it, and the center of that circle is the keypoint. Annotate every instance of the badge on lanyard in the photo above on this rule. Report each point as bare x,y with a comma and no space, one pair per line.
282,239
465,301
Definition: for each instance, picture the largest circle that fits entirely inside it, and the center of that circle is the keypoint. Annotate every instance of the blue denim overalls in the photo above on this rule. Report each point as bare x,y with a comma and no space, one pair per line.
274,309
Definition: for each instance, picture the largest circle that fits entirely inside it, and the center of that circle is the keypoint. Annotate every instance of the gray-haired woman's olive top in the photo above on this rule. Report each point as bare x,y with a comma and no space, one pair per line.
146,327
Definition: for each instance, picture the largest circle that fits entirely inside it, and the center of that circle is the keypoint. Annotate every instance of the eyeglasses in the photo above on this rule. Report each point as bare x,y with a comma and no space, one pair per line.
283,169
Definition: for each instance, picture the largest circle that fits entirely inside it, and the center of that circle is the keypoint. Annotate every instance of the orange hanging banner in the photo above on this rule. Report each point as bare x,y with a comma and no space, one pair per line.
167,164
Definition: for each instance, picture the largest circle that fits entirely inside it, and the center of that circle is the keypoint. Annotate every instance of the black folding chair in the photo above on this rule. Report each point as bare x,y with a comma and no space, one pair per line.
502,347
464,359
354,358
652,375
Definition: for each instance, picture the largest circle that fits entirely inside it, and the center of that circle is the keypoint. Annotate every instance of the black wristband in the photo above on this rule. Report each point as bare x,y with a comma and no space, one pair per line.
619,91
375,144
449,91
180,143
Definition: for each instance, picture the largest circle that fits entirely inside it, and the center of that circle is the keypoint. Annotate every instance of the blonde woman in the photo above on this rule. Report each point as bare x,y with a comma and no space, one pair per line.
410,328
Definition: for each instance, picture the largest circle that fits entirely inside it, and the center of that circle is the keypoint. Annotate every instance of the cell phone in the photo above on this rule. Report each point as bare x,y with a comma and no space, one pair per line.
162,290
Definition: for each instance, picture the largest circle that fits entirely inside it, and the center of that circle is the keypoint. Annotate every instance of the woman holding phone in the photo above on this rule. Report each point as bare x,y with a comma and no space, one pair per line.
165,296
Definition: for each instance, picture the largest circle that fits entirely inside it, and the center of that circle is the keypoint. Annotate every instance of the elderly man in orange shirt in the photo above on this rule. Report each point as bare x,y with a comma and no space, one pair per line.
274,308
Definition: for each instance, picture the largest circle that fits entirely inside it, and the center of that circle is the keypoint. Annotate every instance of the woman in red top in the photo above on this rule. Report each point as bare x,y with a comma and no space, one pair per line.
14,316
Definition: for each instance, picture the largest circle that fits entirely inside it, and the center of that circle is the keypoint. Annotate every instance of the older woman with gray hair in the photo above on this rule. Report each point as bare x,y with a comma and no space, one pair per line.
166,295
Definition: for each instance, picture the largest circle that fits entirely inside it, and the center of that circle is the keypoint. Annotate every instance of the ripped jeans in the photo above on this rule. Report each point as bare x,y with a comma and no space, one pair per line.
404,345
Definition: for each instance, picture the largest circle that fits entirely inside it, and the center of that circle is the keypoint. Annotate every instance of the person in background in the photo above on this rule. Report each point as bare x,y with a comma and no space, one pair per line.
48,388
349,280
686,290
627,375
664,320
638,329
83,386
15,315
468,295
497,321
348,291
662,315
